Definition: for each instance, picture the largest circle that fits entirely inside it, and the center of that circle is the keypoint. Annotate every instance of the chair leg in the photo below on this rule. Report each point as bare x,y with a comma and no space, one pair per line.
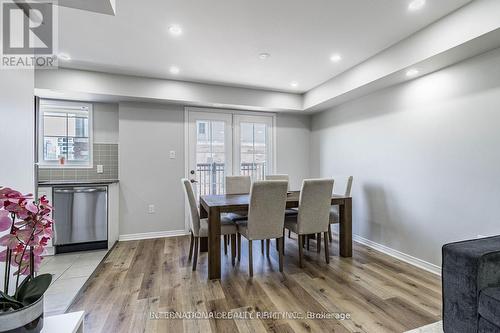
281,243
195,259
250,258
191,244
225,245
300,240
307,242
330,233
289,233
284,241
262,246
268,246
233,248
327,254
318,242
238,238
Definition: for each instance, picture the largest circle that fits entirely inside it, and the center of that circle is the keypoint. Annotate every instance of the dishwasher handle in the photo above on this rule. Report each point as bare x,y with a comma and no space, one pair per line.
81,190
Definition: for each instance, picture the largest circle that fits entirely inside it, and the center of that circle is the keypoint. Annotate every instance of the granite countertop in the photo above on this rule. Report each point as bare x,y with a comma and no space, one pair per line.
77,182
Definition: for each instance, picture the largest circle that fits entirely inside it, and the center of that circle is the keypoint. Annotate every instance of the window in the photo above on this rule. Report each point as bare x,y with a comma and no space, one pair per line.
254,145
65,134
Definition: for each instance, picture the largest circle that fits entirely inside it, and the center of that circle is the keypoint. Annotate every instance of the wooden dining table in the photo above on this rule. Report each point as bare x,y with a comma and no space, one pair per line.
211,207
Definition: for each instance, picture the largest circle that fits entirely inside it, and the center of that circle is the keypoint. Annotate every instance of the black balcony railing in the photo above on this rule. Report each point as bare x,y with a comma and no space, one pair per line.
211,176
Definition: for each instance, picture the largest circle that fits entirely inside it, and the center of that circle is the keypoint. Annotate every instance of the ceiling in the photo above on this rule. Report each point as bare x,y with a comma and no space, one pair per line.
221,39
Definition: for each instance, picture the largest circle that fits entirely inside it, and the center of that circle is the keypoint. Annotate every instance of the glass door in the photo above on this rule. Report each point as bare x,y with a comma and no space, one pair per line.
253,149
209,151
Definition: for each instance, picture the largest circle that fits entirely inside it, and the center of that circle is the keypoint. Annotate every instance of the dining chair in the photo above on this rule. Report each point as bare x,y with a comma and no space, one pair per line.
278,177
287,211
236,185
266,214
313,214
199,227
334,211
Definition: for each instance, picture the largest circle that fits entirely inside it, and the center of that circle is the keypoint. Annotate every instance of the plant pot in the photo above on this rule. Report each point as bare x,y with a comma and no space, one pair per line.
26,320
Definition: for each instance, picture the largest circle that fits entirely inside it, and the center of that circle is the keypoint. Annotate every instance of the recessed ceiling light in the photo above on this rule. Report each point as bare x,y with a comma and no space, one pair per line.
264,56
174,70
175,30
411,72
336,57
294,84
64,57
416,4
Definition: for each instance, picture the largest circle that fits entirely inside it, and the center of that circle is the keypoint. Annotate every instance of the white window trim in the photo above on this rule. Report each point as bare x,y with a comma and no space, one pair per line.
42,164
261,119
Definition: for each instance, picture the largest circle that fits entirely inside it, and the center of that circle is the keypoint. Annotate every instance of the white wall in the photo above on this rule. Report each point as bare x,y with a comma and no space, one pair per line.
16,132
105,123
148,176
424,155
292,147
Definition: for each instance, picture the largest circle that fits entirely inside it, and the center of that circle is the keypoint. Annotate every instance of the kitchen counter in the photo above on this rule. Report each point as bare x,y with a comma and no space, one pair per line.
78,182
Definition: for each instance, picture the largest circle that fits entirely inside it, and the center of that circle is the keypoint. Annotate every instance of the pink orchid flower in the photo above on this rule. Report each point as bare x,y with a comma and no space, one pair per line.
5,220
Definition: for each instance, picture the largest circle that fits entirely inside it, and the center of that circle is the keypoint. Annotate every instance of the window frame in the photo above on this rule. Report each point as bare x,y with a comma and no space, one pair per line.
269,121
44,164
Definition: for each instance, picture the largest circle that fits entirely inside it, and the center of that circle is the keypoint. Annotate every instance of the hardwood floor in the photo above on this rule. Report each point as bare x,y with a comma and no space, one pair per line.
380,293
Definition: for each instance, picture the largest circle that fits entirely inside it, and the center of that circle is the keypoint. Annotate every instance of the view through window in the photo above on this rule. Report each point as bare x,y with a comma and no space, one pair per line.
65,130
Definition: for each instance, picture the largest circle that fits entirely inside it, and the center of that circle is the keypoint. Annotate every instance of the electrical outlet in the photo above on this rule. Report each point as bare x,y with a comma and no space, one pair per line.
172,154
151,209
100,168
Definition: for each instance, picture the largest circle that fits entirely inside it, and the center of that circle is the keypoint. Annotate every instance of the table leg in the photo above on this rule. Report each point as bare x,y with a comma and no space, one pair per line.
345,243
214,243
203,240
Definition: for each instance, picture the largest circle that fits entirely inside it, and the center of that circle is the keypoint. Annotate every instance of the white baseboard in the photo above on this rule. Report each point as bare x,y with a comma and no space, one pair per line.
155,234
399,255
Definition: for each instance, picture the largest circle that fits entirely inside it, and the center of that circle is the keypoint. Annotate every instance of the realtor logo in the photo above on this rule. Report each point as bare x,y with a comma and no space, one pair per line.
28,34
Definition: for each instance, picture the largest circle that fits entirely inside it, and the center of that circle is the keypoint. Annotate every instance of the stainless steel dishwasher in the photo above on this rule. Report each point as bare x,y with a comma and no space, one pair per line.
80,218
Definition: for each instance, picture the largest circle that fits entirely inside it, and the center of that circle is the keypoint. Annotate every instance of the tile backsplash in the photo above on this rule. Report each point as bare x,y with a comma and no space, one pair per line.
104,154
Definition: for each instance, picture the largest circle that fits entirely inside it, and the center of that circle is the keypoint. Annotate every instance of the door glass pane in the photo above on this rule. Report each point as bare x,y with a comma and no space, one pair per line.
253,150
210,156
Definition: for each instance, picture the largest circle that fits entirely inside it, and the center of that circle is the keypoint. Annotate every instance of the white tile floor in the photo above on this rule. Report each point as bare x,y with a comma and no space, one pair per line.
70,272
432,328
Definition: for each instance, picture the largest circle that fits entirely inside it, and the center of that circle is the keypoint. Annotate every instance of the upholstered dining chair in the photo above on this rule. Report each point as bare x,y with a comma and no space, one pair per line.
236,185
334,211
266,214
199,227
313,214
279,177
287,211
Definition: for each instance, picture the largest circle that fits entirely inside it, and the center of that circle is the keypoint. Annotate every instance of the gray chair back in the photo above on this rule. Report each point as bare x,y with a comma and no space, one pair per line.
238,184
348,187
278,177
193,209
266,213
314,206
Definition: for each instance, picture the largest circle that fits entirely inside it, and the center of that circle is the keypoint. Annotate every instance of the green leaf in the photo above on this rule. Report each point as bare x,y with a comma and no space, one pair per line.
7,302
33,289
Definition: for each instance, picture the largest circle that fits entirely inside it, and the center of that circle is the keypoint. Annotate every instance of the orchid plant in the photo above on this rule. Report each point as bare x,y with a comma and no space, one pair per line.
29,227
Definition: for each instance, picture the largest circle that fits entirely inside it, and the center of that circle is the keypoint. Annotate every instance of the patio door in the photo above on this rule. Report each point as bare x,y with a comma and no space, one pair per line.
209,150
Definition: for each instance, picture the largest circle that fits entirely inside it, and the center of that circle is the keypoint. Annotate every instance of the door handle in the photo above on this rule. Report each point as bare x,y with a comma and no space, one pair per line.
193,181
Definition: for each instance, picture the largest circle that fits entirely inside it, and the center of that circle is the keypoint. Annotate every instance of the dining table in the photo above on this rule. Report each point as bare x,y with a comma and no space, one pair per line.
212,206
